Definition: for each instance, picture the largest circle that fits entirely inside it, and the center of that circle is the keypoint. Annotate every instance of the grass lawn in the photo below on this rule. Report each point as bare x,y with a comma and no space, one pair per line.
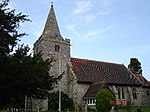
134,109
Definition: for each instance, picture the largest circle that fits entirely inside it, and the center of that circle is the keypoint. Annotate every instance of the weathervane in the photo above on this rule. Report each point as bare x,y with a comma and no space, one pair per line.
52,2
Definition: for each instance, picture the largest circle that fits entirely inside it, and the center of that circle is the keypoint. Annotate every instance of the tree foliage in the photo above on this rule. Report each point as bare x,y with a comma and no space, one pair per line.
9,23
135,66
21,73
103,98
53,101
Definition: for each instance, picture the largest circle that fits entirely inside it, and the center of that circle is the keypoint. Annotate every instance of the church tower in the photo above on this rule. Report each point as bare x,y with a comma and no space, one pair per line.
52,45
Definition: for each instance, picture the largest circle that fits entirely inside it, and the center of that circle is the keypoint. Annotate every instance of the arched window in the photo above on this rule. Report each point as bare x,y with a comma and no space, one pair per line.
134,93
119,93
122,93
57,48
147,92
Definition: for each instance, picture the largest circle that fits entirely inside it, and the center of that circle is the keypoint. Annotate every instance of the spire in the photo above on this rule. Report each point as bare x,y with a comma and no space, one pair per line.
51,27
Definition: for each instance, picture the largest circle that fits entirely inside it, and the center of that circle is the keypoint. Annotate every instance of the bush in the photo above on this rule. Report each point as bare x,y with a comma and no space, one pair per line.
4,110
53,101
103,98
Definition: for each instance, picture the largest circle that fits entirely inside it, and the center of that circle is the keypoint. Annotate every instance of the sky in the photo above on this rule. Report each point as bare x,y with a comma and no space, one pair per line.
104,30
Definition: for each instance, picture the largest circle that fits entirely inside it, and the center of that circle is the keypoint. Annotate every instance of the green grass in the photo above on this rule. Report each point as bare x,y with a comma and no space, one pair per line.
4,111
146,109
134,109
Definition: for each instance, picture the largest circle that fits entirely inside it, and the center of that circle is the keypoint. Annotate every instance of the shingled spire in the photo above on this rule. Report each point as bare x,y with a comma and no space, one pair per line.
51,29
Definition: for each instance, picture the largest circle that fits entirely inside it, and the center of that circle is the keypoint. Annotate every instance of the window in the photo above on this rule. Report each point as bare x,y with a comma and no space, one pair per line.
94,101
147,93
57,48
134,93
37,50
119,93
122,93
90,101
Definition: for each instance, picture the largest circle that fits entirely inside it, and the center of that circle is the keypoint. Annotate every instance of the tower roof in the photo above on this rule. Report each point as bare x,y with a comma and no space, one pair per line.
51,27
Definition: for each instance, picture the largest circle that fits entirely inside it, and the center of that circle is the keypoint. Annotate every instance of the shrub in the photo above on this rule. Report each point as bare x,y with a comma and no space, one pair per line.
103,98
53,101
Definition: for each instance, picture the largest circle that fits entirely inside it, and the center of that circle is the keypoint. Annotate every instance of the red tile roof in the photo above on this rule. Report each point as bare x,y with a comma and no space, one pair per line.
94,88
96,71
142,80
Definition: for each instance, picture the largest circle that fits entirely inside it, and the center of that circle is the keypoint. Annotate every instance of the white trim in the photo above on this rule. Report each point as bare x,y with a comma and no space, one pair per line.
90,101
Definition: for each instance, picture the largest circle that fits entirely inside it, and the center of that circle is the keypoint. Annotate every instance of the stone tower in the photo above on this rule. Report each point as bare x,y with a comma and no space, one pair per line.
52,45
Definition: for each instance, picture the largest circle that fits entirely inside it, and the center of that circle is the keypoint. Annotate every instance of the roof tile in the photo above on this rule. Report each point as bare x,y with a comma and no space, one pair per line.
95,71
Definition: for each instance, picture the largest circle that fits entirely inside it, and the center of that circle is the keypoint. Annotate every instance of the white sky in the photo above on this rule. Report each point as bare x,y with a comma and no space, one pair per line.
106,30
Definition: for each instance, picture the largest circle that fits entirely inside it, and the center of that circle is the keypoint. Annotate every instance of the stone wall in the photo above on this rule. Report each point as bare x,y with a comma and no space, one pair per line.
60,59
46,46
146,97
82,89
128,94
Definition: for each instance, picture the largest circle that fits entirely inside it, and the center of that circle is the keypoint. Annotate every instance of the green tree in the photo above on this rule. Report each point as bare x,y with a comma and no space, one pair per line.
53,101
9,36
25,75
135,66
103,98
21,73
9,23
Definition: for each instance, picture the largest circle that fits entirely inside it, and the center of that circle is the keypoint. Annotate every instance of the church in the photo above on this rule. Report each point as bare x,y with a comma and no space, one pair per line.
83,78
